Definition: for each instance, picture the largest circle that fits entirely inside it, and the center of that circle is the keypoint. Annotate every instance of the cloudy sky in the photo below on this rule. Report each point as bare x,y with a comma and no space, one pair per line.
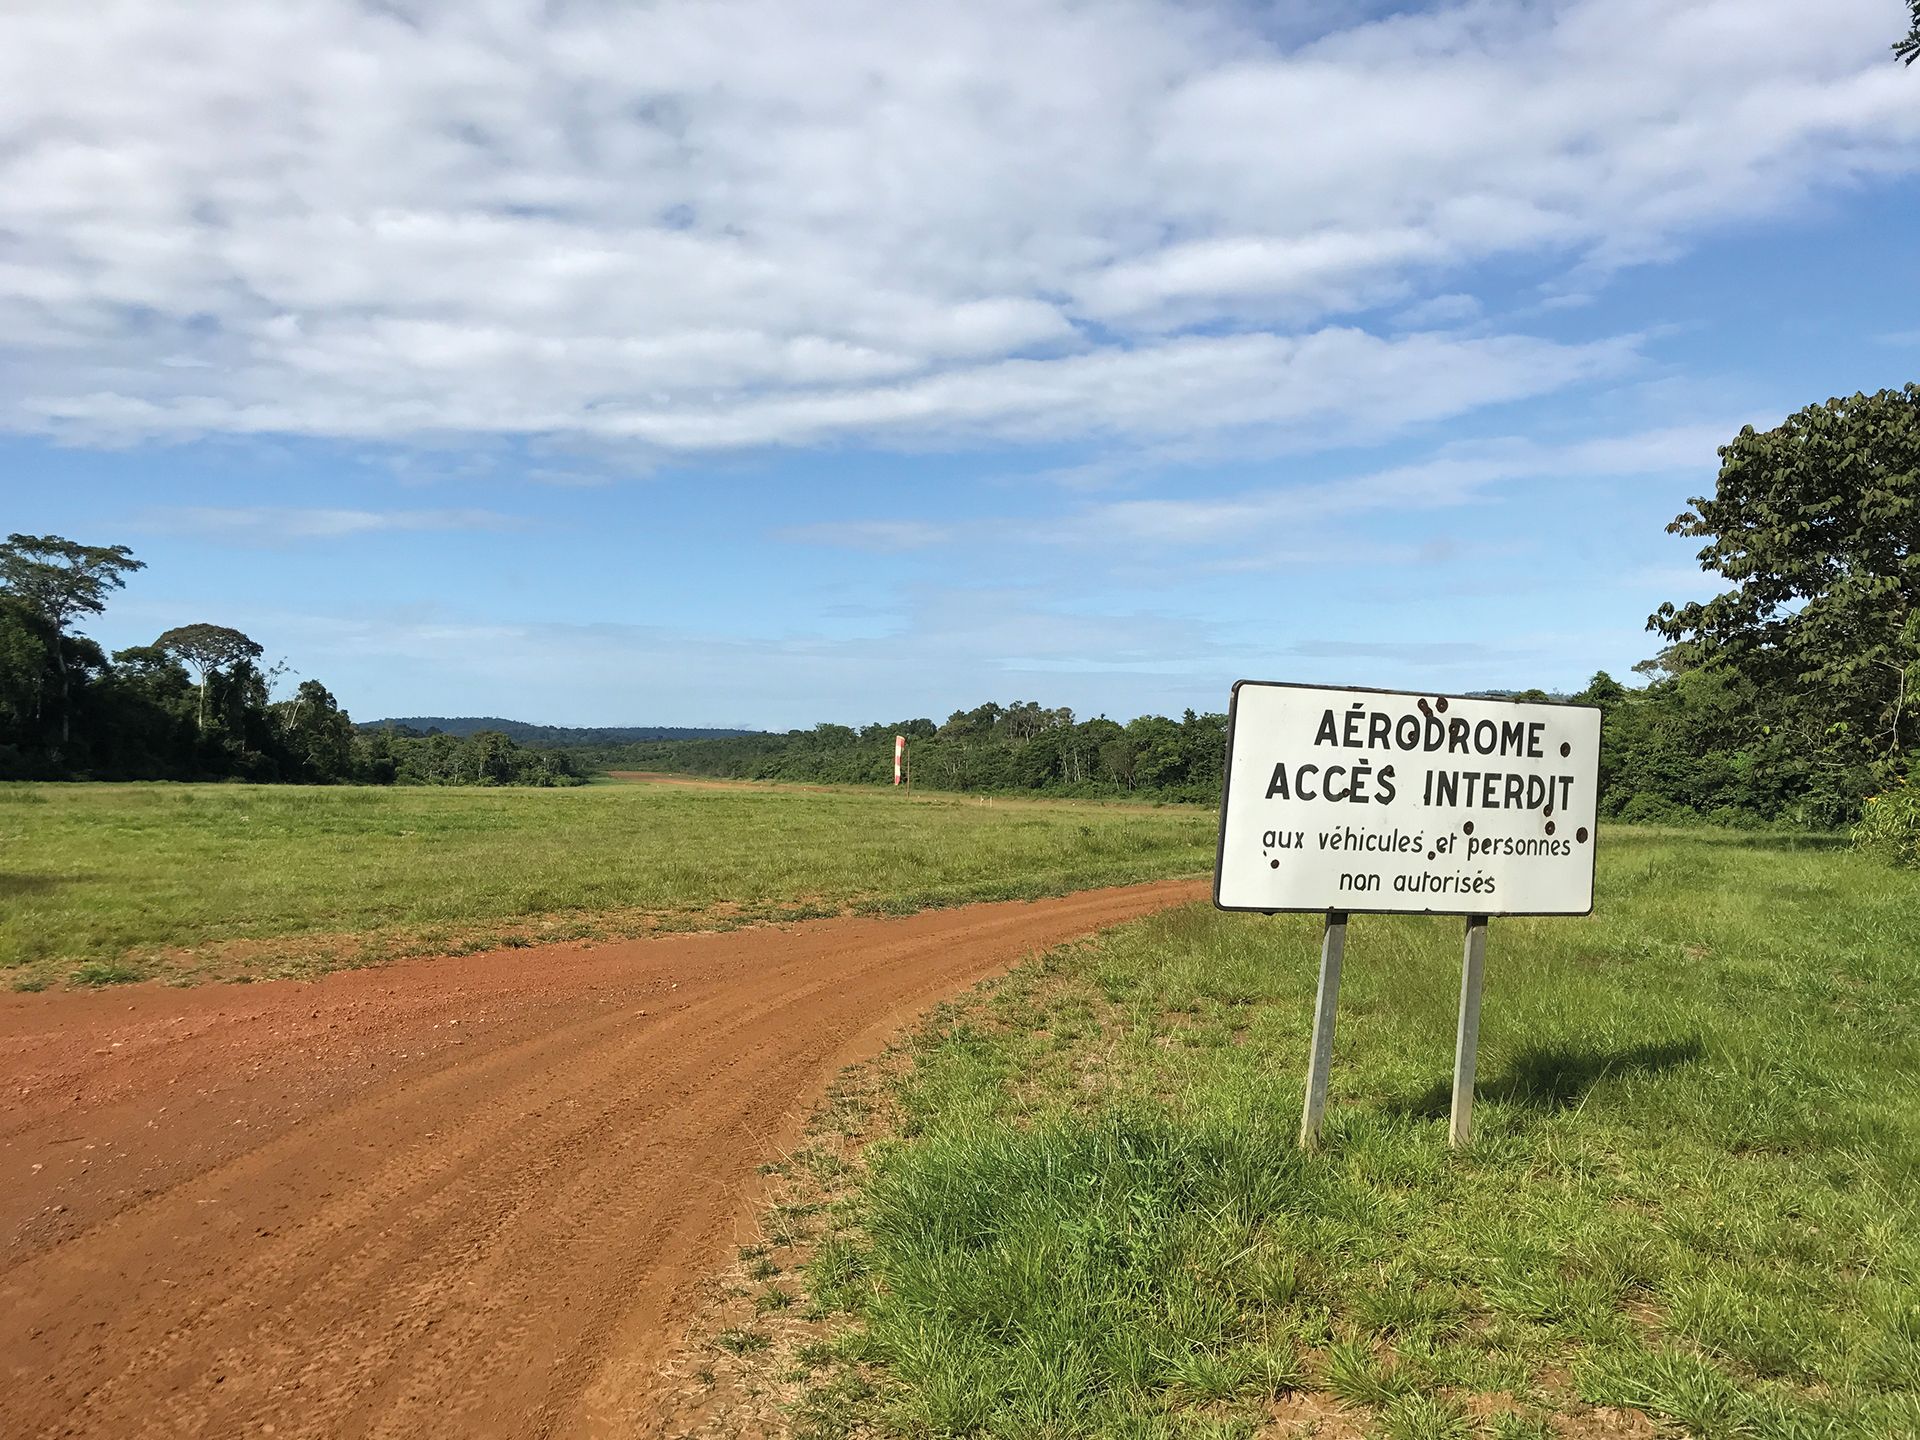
763,363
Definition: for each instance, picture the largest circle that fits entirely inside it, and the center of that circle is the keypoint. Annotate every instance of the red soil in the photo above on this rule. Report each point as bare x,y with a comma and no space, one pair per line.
444,1198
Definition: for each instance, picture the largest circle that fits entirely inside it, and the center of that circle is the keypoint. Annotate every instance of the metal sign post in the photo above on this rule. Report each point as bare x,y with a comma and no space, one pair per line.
1342,801
1333,946
1466,1043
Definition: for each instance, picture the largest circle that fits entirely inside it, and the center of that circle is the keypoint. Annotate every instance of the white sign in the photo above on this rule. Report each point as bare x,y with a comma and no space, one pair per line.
1371,801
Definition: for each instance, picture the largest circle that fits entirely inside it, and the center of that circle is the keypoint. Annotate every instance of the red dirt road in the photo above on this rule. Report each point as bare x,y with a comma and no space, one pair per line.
444,1198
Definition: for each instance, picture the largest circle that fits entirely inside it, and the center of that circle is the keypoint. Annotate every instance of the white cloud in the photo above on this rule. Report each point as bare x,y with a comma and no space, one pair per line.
1308,274
1457,475
940,649
883,537
1453,309
688,226
1193,384
1438,654
275,525
1284,525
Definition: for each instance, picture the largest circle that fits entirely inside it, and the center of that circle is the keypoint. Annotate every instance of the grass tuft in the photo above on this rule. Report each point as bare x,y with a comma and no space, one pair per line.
104,972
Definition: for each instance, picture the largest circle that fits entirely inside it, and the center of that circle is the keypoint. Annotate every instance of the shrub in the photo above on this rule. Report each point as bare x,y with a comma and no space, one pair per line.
1649,809
1890,825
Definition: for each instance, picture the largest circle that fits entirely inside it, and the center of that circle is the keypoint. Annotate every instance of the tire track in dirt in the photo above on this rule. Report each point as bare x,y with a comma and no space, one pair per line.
445,1198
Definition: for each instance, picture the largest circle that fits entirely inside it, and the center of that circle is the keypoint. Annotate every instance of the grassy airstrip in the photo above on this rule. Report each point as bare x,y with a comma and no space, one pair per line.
1694,1192
105,883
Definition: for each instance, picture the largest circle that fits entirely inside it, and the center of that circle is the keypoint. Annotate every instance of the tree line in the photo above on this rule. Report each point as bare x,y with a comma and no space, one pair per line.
196,703
994,747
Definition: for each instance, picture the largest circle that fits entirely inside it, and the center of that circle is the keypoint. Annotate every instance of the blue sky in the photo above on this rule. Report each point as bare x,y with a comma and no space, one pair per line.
760,364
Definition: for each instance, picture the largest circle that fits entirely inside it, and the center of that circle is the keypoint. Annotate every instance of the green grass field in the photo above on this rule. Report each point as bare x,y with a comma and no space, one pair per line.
101,883
1694,1192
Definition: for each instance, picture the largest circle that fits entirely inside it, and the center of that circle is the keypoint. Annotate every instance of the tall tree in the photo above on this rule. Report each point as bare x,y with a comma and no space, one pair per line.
316,733
27,648
1817,525
206,650
1908,50
61,580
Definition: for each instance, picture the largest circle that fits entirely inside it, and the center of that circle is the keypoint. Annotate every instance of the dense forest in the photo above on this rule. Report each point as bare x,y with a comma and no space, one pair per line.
992,747
553,736
193,705
1792,697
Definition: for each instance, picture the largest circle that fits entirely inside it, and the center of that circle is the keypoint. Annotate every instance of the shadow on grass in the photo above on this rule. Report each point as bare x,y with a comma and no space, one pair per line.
1782,844
1556,1077
14,885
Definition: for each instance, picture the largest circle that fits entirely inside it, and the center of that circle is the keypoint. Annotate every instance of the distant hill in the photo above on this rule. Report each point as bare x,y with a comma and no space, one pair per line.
546,735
